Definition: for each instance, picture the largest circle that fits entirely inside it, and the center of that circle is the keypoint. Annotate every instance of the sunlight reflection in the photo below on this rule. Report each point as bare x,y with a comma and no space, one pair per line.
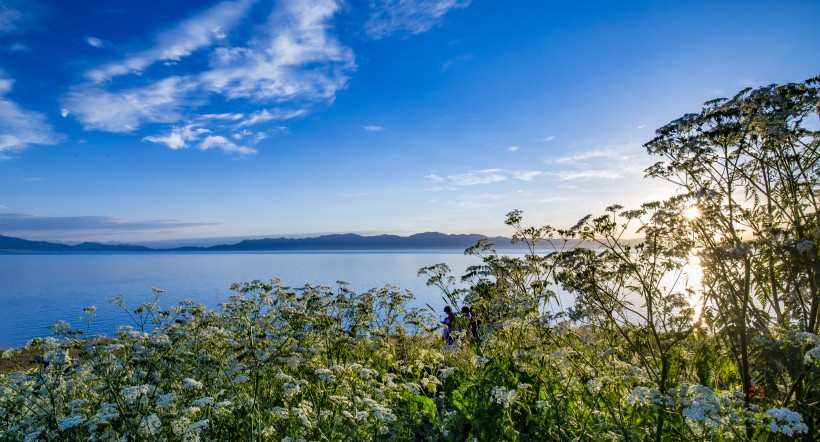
693,280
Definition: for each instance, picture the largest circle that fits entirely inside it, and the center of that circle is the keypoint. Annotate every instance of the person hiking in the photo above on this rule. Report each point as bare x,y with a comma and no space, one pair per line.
448,325
472,326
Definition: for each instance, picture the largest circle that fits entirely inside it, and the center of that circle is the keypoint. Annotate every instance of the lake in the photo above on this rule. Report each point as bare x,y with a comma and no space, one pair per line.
37,290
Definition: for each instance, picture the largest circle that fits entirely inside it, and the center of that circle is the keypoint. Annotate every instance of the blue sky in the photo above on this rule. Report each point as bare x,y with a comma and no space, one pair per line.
143,120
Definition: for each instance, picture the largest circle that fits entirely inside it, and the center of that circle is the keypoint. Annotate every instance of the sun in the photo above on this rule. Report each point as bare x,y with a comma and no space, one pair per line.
691,213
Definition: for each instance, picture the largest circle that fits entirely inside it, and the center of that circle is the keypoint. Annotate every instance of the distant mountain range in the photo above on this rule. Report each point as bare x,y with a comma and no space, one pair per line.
419,241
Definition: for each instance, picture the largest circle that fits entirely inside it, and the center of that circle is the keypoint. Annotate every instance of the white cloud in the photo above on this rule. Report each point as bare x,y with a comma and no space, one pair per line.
64,112
192,34
15,15
548,139
512,149
291,60
477,177
297,59
94,41
571,175
408,17
126,110
559,198
225,145
585,156
20,128
373,128
526,175
265,115
223,116
179,137
486,176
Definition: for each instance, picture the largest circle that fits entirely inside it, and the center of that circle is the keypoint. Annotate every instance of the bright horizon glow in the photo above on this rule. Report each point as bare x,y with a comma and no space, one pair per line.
159,121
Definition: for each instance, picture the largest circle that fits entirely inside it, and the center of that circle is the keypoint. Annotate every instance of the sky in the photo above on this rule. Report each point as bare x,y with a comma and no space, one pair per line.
140,120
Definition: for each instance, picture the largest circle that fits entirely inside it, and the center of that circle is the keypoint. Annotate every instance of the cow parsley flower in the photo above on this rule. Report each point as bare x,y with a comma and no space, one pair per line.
191,384
204,401
165,400
642,395
280,412
325,375
70,422
503,397
785,421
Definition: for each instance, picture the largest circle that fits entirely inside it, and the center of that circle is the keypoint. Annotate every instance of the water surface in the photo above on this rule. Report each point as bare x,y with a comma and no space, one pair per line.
37,290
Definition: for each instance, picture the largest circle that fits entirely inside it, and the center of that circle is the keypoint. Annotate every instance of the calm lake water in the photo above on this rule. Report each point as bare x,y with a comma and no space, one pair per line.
37,290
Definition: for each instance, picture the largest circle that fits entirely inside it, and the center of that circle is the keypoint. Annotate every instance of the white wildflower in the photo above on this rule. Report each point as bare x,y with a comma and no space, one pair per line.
413,388
284,377
786,422
107,411
198,426
367,373
501,396
595,385
479,361
150,424
180,426
165,400
642,395
191,384
240,379
204,401
382,413
280,412
70,422
77,402
703,411
325,375
446,373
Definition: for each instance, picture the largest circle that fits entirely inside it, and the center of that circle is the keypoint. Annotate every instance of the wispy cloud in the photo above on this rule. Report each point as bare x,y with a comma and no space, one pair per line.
389,17
20,128
512,149
373,128
126,110
571,175
486,176
16,223
291,61
585,156
190,35
548,139
478,177
225,145
179,137
559,199
456,60
526,175
17,15
94,41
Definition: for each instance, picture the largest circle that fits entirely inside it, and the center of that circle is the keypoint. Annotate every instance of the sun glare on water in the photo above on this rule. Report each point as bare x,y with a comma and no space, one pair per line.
694,276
